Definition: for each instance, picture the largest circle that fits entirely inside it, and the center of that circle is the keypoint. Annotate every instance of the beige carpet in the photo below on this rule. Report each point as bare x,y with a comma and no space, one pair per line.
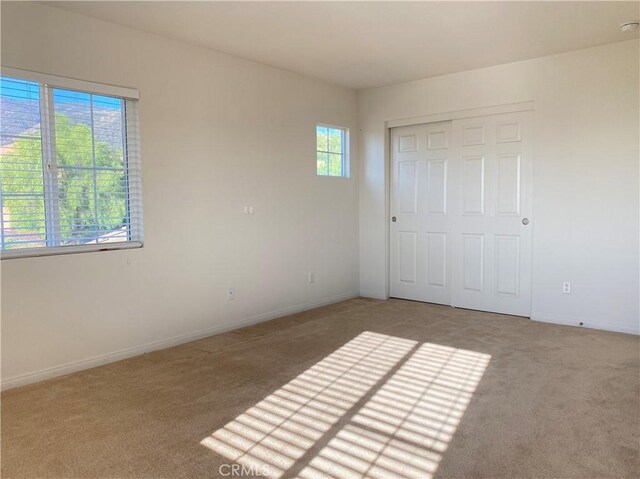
363,388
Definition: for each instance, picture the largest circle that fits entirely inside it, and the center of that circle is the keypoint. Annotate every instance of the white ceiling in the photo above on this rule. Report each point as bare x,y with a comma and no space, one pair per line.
367,44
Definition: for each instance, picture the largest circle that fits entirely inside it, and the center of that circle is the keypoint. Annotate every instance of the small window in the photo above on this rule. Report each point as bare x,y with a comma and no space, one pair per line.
69,167
331,150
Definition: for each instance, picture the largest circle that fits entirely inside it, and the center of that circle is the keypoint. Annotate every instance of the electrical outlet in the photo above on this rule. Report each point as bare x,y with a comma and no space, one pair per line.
231,294
311,277
566,287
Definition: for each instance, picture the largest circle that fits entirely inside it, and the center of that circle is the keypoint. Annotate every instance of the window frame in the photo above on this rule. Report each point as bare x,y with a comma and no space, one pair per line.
131,142
346,172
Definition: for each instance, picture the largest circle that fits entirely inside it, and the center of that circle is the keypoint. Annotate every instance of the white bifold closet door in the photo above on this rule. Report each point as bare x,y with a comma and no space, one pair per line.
461,210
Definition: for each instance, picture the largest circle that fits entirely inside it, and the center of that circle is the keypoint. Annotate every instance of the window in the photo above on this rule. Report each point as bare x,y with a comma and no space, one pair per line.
69,166
331,150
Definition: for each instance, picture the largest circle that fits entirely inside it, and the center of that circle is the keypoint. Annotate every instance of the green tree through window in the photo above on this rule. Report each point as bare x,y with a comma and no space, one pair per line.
331,151
65,175
91,201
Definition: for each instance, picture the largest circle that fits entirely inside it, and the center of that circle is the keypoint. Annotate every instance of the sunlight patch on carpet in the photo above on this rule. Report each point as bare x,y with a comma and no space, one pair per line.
380,407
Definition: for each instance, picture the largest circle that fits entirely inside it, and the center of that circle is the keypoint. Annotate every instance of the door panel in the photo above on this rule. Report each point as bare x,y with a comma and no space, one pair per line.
408,186
438,139
473,262
508,130
408,143
420,239
436,187
507,250
473,185
505,264
437,259
407,245
508,197
460,191
473,134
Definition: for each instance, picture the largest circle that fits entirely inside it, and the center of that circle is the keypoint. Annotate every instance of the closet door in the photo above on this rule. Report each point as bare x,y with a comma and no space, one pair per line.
461,213
421,213
491,254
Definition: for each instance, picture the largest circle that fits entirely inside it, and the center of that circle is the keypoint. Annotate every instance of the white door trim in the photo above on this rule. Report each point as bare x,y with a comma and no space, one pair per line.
459,114
433,118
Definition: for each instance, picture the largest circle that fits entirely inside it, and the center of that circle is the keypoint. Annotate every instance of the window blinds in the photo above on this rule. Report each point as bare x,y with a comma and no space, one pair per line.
69,170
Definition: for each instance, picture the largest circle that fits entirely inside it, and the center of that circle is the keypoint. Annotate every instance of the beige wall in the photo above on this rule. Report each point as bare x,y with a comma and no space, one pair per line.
585,221
218,133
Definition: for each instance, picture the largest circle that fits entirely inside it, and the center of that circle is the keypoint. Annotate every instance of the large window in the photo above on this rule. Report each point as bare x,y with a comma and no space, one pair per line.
331,151
69,166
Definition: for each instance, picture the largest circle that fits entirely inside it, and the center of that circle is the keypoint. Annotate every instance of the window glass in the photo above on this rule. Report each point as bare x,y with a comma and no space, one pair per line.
331,151
69,168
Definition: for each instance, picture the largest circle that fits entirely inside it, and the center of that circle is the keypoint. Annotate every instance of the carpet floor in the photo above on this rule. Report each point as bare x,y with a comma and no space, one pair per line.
362,388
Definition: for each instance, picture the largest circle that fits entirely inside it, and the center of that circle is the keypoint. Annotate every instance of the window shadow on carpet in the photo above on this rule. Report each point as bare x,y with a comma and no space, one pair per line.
378,407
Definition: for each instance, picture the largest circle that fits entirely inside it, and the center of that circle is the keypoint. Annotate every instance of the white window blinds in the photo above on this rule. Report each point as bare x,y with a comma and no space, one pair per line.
69,168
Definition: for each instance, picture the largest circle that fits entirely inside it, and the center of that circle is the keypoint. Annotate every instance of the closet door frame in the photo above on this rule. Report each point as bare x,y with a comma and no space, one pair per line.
527,106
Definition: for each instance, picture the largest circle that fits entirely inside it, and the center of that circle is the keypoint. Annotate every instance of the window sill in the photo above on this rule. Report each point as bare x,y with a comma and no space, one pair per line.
34,252
338,177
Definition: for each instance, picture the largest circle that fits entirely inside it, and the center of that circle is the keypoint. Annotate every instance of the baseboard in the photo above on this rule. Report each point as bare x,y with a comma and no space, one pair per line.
72,367
373,294
589,324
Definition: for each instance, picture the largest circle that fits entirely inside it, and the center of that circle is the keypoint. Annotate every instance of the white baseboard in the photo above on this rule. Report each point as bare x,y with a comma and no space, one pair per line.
373,294
55,371
589,324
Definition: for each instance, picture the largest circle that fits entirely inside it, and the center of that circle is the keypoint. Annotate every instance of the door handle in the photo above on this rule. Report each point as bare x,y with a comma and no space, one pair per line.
394,219
525,221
